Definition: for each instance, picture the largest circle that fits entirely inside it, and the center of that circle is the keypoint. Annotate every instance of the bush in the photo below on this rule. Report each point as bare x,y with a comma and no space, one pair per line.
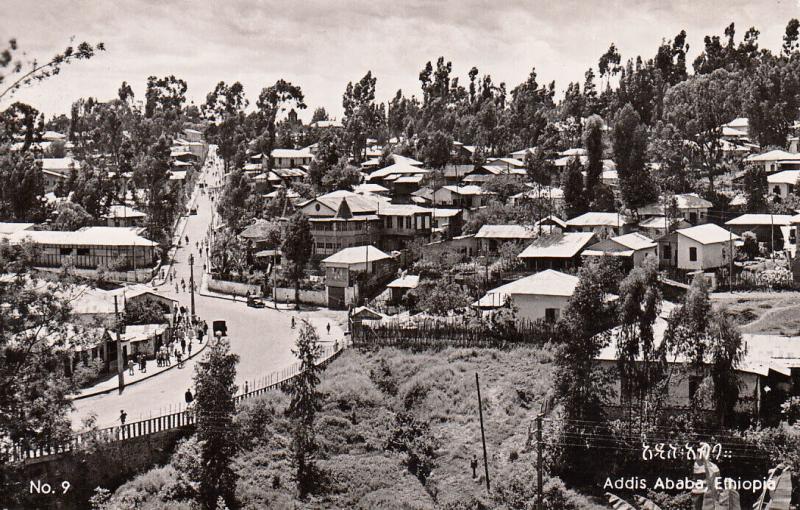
86,374
413,438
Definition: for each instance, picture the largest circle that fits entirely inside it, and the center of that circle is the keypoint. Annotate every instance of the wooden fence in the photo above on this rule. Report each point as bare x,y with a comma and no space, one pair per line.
179,419
439,334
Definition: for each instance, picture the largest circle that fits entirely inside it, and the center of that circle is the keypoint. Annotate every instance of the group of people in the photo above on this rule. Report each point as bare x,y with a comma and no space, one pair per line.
140,360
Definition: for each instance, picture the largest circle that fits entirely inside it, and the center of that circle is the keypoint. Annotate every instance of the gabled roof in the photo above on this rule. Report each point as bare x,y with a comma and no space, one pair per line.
564,245
624,245
10,228
761,219
369,187
408,281
659,222
291,153
258,230
682,201
470,189
784,177
397,168
634,241
402,210
356,255
552,219
398,159
545,283
358,204
774,155
505,232
591,219
708,234
123,211
89,236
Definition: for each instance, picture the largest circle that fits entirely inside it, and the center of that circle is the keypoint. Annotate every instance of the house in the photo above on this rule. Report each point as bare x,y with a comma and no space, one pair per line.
540,296
634,248
371,187
465,197
658,226
402,285
523,153
57,170
556,251
447,223
783,183
768,228
124,216
144,339
90,248
258,235
342,219
486,173
387,175
547,194
343,267
403,223
702,247
192,135
689,206
454,173
11,228
775,161
610,223
766,367
737,129
490,237
290,158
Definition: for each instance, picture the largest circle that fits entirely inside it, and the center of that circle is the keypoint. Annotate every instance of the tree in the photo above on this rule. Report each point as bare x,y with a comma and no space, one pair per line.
272,101
23,186
341,176
593,142
640,359
629,138
215,387
319,114
435,148
297,248
304,403
164,95
26,73
756,188
671,59
574,196
360,114
34,387
439,297
71,216
771,93
698,108
145,311
790,37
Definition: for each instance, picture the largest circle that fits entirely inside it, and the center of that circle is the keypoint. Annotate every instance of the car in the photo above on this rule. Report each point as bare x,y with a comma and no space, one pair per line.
193,211
220,328
254,302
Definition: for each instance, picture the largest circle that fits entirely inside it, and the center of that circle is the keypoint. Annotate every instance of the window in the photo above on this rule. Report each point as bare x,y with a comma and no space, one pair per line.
83,252
776,190
693,254
388,222
551,314
666,251
65,251
408,222
692,217
694,385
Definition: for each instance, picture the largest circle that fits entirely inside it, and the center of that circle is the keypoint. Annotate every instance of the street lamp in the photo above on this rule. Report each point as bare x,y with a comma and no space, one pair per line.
191,280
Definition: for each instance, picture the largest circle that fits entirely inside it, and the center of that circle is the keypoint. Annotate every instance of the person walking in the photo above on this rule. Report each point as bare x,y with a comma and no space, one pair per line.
188,397
292,321
190,349
176,287
179,358
474,465
144,364
122,416
329,328
130,367
246,388
183,345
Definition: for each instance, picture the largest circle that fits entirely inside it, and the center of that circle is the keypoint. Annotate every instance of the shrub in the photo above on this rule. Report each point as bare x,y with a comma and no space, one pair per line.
413,438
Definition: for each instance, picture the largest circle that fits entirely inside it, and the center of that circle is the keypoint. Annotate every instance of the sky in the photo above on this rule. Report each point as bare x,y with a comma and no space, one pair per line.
322,44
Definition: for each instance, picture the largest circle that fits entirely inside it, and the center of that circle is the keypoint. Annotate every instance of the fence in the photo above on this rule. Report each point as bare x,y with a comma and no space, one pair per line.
440,334
183,418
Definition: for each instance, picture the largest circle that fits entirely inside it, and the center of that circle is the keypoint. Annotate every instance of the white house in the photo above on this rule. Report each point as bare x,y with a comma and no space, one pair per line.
702,247
468,197
609,222
689,206
775,160
124,216
541,296
782,184
291,158
657,226
634,247
490,237
560,250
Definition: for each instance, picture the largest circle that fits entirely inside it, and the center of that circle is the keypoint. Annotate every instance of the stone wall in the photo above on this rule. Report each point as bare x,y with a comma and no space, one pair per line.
106,465
233,288
308,297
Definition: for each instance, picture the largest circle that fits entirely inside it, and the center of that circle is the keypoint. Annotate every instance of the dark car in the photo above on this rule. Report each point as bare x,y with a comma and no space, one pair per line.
254,302
219,327
193,211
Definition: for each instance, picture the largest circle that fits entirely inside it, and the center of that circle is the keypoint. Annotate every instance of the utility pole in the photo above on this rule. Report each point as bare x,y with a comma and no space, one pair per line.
191,279
120,368
483,435
539,464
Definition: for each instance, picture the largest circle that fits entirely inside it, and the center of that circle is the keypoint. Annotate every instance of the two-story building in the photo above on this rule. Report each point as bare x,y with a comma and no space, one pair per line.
342,270
700,248
610,223
689,206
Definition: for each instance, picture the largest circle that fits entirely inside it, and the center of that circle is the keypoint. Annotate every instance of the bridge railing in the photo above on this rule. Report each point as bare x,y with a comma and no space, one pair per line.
176,420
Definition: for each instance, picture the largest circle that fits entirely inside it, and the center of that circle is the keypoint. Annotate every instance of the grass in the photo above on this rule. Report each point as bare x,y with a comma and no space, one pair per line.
363,392
778,315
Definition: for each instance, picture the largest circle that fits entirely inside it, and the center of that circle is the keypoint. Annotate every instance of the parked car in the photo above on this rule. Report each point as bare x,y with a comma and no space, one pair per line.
193,211
254,302
219,327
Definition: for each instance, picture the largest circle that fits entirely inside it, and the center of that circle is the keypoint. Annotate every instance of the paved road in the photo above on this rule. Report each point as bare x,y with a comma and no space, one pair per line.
263,338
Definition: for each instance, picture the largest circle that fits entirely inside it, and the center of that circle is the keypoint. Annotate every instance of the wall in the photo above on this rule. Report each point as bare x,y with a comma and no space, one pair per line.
109,466
227,287
309,297
532,307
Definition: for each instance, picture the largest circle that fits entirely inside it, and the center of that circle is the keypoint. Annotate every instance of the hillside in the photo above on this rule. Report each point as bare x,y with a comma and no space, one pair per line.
364,393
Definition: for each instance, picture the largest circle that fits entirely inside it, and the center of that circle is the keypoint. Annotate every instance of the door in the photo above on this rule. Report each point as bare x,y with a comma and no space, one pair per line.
336,298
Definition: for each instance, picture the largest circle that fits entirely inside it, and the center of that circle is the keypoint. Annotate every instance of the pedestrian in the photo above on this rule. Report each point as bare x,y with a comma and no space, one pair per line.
141,363
188,396
122,416
183,345
329,328
474,465
176,288
178,357
158,359
187,240
184,286
292,321
205,327
130,367
144,365
246,388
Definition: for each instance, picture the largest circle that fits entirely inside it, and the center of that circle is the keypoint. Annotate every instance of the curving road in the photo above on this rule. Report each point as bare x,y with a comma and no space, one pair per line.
262,338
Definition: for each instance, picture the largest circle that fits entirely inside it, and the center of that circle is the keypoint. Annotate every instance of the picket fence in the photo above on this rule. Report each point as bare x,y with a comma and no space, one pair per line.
176,420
